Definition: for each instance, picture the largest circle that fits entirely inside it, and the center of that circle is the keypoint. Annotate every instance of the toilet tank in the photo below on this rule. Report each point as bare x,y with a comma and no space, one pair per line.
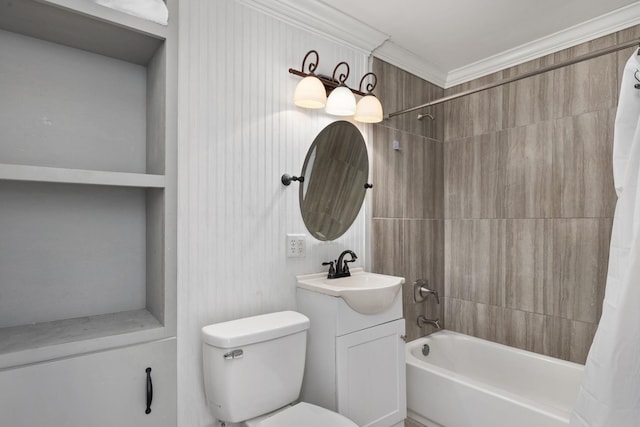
254,365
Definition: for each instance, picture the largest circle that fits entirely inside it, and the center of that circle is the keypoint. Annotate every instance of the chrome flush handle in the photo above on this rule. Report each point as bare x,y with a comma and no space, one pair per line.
235,354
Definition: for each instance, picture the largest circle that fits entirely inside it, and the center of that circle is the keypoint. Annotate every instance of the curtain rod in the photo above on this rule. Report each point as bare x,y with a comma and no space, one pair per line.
575,60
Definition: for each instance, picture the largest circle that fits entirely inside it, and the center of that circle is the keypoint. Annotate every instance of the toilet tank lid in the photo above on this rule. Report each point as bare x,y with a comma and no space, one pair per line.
249,330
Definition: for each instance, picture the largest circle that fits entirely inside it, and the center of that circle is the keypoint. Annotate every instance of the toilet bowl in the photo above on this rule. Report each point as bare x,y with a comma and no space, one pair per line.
253,370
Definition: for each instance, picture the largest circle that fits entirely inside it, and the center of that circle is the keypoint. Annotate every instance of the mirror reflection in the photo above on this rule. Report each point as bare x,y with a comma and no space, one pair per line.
335,171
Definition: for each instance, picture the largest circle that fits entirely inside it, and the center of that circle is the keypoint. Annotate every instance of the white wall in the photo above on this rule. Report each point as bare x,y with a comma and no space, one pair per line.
238,133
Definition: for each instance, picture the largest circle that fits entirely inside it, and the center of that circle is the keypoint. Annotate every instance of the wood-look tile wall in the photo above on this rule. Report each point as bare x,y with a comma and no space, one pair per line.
408,205
517,236
529,202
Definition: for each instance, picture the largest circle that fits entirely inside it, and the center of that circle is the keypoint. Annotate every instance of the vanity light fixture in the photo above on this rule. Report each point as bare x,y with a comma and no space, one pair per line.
341,100
369,108
310,92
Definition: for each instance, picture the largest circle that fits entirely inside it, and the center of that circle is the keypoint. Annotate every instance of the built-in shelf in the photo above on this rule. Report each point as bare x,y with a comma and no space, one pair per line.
20,345
79,176
85,25
88,179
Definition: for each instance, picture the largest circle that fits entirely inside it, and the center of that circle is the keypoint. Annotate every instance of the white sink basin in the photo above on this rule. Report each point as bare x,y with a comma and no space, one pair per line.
366,293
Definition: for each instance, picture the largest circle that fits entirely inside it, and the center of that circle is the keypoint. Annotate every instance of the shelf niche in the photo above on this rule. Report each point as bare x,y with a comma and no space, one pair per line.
87,180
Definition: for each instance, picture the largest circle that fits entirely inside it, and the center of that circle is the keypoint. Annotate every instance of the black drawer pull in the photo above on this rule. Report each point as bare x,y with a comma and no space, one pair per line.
149,391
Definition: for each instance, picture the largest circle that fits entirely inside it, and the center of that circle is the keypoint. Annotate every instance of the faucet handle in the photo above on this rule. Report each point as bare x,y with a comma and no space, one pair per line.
332,270
424,292
421,292
345,269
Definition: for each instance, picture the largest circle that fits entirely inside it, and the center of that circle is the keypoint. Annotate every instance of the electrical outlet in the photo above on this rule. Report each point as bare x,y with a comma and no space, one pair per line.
296,245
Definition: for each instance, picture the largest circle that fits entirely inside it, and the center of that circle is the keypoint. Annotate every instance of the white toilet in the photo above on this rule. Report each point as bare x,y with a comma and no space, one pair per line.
253,369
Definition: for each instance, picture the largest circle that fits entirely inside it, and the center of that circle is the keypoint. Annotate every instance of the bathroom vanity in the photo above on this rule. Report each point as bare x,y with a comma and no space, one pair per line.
355,361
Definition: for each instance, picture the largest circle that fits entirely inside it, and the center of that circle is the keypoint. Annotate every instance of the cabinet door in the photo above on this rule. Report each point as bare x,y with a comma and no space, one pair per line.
101,389
370,375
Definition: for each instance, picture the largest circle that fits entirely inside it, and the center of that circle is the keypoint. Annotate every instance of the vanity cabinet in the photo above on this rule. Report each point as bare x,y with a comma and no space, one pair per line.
104,389
88,128
355,363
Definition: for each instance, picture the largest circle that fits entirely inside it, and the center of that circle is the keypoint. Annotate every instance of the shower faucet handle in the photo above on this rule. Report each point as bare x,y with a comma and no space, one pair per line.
421,291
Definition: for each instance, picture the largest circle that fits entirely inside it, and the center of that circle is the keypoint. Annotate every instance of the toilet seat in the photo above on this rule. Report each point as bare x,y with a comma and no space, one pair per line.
307,415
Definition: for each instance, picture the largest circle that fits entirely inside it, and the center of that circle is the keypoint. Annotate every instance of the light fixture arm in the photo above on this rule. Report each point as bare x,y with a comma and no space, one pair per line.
342,78
312,65
370,86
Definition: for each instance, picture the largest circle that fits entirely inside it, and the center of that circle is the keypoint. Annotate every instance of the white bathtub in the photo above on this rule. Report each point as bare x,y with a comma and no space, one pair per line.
470,382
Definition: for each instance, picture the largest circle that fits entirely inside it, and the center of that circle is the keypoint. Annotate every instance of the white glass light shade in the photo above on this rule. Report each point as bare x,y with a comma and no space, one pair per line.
341,102
310,93
369,110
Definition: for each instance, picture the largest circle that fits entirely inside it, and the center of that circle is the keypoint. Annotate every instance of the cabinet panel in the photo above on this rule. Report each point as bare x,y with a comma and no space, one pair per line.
101,389
370,375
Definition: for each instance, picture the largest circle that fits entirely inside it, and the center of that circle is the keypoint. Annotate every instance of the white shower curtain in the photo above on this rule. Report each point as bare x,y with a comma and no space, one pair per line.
610,391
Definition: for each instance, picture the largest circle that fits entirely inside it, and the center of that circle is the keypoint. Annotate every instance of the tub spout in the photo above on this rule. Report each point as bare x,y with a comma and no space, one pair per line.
423,321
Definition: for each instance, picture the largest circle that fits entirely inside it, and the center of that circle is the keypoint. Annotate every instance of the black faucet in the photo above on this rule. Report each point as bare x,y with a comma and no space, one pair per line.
341,265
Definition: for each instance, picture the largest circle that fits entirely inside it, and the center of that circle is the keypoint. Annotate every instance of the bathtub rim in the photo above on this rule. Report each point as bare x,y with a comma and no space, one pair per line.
417,363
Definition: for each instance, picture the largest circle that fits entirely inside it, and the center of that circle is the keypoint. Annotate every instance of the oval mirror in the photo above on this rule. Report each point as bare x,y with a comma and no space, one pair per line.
335,172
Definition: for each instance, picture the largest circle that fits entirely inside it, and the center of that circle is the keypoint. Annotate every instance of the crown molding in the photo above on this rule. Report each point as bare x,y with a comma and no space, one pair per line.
323,20
603,25
409,61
